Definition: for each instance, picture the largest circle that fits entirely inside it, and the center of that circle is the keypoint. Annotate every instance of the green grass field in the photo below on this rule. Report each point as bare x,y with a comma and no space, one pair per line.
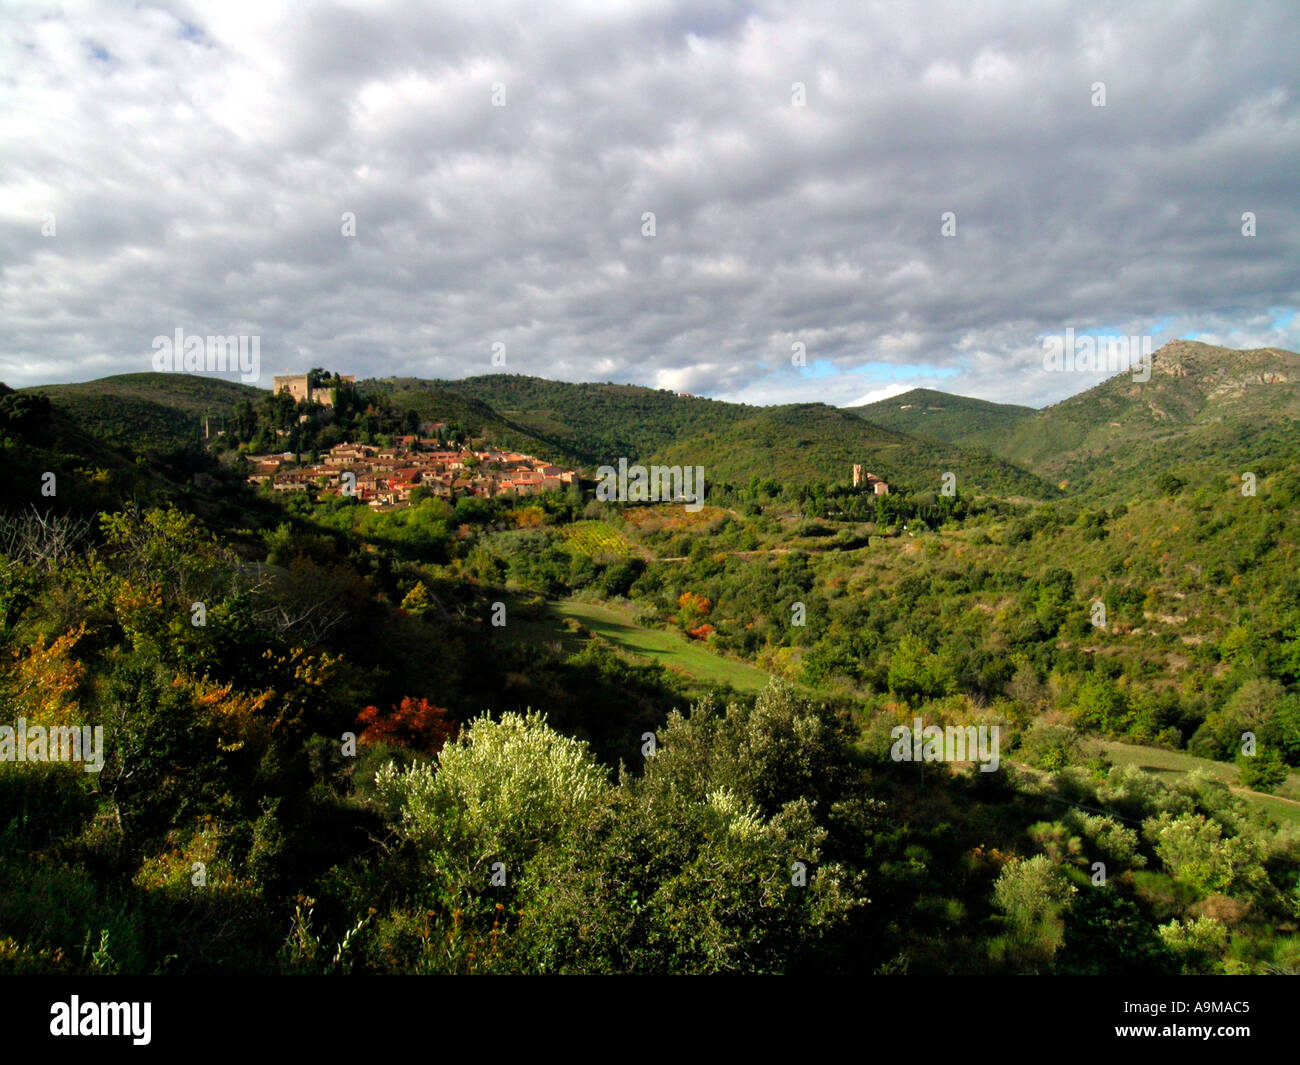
1284,806
668,649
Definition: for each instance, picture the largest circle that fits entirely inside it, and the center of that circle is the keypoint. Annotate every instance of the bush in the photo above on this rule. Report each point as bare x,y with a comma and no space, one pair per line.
501,790
1263,771
1197,943
1031,890
1192,848
1051,746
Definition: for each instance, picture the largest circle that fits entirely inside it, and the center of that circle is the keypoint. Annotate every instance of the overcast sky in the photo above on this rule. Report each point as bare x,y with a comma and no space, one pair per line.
179,165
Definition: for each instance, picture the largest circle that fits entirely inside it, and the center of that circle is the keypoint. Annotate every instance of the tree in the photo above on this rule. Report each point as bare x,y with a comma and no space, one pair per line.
1286,723
1033,894
781,749
713,860
486,566
163,756
20,411
1105,934
1101,705
1196,943
500,791
828,657
415,723
416,601
1030,891
1264,770
1051,745
1193,850
1169,484
914,672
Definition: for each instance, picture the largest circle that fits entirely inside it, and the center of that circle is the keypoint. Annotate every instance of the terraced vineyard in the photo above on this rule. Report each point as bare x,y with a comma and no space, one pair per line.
598,539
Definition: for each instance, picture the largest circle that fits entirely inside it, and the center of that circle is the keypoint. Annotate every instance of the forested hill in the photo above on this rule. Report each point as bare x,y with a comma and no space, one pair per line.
796,444
1204,408
148,410
809,442
436,401
957,419
584,425
600,421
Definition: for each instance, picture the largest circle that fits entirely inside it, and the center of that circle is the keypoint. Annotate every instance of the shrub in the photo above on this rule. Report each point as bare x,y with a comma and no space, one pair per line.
1197,943
1264,771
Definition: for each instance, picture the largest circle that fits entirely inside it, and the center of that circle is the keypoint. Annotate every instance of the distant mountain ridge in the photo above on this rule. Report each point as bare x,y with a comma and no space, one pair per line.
797,443
1200,400
585,425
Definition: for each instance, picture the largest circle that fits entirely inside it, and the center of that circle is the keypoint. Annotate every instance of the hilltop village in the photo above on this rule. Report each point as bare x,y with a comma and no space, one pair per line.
416,465
387,477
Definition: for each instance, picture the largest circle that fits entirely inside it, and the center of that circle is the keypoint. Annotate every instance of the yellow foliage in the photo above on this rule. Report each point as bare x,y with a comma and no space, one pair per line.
239,717
527,517
416,600
138,609
41,684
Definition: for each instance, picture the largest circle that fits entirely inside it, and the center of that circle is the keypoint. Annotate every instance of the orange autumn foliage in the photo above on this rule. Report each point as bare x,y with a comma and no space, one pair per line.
242,719
416,723
697,604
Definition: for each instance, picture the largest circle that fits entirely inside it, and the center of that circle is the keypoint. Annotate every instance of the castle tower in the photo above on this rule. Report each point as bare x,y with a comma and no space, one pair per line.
857,476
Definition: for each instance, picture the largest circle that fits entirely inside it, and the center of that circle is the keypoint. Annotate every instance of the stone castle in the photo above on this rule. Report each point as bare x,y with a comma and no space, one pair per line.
296,386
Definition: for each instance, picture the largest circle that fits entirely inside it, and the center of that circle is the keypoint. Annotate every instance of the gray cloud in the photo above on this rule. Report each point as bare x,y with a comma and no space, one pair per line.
197,160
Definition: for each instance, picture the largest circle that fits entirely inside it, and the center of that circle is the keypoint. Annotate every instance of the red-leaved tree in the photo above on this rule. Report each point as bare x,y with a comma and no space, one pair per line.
416,724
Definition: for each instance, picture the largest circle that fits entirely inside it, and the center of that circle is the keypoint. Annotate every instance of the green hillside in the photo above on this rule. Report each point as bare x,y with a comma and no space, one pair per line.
808,442
437,401
42,434
1235,408
599,422
148,410
957,419
541,681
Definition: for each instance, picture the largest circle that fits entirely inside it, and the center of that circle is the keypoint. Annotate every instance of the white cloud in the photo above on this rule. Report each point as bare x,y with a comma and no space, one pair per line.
880,393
